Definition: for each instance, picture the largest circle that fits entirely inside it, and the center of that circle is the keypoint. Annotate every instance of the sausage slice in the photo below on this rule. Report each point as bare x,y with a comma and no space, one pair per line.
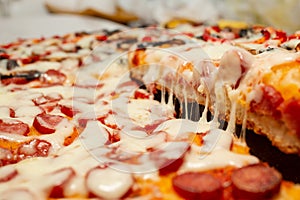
193,185
256,181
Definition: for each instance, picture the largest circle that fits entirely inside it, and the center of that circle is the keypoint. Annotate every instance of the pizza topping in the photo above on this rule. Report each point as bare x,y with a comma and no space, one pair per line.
193,185
18,193
33,148
297,48
281,36
69,111
6,157
233,65
139,141
141,94
11,64
4,56
46,123
43,99
58,180
14,126
30,59
20,77
163,44
28,149
268,104
169,156
143,127
53,77
255,182
265,36
28,111
7,173
108,183
214,154
179,129
7,112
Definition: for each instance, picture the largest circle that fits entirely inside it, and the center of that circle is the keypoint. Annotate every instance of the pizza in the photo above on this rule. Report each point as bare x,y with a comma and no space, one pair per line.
108,115
253,76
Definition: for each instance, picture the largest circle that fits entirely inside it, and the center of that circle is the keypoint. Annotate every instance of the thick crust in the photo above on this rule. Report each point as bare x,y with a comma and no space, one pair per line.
275,130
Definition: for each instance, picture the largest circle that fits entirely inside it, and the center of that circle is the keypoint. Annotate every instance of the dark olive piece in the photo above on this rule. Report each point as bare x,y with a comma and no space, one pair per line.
11,64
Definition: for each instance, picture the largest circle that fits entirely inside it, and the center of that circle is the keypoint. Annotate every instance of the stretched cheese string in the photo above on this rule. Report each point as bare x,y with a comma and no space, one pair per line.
163,95
185,103
203,118
242,137
170,98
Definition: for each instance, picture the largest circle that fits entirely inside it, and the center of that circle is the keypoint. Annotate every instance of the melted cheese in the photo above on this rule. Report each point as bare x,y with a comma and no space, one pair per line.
96,163
37,171
113,186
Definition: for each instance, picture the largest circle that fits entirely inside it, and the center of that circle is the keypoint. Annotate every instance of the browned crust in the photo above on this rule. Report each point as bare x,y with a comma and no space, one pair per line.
275,130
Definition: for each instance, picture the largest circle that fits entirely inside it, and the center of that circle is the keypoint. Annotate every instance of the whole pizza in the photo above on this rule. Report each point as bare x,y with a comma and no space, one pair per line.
180,111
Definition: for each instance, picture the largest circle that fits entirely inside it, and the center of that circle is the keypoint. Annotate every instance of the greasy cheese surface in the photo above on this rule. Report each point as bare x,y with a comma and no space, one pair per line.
78,172
124,137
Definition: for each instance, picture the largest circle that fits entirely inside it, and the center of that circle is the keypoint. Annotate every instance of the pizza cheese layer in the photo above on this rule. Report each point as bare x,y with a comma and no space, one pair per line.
252,74
73,123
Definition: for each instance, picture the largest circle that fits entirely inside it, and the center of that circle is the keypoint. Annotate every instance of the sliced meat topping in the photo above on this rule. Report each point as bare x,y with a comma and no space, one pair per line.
53,77
14,126
256,181
28,149
59,179
7,173
46,123
193,185
33,148
69,111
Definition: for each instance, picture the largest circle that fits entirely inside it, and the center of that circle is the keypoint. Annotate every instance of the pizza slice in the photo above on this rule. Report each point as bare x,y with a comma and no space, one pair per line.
258,86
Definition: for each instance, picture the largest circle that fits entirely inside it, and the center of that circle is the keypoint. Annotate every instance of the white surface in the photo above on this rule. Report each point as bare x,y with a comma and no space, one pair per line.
30,19
32,27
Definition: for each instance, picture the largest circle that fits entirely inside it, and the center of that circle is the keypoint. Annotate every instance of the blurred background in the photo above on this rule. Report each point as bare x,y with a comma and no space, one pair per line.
35,18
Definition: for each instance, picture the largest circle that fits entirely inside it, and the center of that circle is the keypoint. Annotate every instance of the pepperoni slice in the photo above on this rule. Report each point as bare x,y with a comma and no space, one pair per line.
68,110
169,158
193,185
59,179
28,149
141,94
46,123
8,174
256,181
6,157
12,113
33,148
14,126
53,97
53,77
